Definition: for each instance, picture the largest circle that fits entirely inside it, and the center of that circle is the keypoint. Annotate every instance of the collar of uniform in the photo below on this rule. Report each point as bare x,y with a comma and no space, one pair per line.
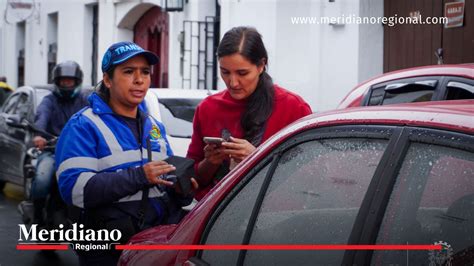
99,106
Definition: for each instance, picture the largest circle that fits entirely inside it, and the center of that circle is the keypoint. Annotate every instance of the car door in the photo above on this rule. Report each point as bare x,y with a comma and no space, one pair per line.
14,138
431,201
310,190
5,140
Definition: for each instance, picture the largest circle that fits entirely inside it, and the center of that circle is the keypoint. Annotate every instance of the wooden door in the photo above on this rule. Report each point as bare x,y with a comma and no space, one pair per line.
411,45
151,33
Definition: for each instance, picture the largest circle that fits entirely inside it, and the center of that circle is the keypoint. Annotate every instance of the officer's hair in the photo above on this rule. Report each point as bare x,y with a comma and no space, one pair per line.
103,91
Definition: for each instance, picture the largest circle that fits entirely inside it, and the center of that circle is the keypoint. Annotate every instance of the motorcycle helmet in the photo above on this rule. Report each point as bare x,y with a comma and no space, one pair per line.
67,69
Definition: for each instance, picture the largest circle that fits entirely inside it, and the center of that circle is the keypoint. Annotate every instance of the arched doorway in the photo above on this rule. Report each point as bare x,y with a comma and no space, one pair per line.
151,33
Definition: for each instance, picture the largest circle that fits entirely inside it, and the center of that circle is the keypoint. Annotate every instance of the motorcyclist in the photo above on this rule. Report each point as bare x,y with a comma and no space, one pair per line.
52,114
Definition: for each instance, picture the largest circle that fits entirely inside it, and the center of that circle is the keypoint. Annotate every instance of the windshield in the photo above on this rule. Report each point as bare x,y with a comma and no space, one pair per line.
177,115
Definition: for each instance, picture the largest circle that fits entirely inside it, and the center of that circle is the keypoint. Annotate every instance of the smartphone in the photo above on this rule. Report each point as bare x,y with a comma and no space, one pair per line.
213,140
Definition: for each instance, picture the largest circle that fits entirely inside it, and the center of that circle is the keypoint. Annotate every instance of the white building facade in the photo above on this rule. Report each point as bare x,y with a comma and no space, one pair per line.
321,62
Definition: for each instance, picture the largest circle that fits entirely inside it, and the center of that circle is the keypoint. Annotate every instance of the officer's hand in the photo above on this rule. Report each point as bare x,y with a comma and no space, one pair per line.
153,171
39,142
213,154
194,185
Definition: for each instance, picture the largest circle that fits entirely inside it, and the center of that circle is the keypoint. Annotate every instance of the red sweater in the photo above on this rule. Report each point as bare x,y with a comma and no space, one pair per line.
221,111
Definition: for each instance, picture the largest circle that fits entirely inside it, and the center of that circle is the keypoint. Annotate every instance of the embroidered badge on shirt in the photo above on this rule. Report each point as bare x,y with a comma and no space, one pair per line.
155,132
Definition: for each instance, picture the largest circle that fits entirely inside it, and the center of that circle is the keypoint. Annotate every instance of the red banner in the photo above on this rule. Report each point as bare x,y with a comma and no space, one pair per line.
455,13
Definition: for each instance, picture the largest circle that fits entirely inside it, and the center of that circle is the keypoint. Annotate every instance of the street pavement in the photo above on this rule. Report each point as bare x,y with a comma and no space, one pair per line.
9,234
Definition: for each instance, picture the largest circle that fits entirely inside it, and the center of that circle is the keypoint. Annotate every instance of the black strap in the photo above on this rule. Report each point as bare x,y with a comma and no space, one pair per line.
144,201
142,210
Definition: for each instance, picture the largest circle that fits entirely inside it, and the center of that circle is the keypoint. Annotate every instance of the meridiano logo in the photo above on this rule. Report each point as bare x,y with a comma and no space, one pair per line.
75,234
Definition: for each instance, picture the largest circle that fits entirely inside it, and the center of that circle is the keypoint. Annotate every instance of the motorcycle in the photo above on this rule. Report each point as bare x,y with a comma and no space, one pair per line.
55,210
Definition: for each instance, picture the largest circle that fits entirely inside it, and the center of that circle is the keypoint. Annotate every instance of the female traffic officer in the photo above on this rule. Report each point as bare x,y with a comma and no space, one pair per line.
103,152
252,108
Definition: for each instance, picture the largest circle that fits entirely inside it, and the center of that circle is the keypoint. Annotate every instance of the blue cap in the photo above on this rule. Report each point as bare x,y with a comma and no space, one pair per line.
122,51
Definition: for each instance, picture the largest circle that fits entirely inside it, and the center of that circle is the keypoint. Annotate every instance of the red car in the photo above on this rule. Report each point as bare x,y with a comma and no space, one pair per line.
420,84
400,174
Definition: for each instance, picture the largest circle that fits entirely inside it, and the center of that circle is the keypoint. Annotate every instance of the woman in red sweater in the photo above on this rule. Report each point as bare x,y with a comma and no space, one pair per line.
251,109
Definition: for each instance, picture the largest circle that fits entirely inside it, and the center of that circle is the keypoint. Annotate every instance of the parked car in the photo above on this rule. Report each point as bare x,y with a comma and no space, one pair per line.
398,174
14,141
419,84
175,108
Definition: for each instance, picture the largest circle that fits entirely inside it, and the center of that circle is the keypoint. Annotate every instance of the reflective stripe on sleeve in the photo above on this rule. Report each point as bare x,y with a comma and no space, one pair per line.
78,189
109,137
78,162
95,164
154,193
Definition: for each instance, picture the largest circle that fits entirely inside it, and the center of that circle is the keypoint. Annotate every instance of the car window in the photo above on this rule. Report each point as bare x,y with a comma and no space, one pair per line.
313,198
230,225
403,92
177,115
9,106
181,108
432,202
23,107
459,90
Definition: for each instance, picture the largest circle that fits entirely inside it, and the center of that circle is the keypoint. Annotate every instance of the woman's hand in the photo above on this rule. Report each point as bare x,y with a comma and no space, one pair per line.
153,171
214,154
237,149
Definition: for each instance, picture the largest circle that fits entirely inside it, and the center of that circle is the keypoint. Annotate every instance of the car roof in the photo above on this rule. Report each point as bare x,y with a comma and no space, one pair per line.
459,70
454,115
181,93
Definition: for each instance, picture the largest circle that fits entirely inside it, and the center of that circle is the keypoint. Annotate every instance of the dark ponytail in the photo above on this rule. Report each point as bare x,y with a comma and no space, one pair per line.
248,42
101,89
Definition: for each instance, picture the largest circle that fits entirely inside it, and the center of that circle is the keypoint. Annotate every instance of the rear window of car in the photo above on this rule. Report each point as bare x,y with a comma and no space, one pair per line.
459,90
177,115
403,93
431,203
181,108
